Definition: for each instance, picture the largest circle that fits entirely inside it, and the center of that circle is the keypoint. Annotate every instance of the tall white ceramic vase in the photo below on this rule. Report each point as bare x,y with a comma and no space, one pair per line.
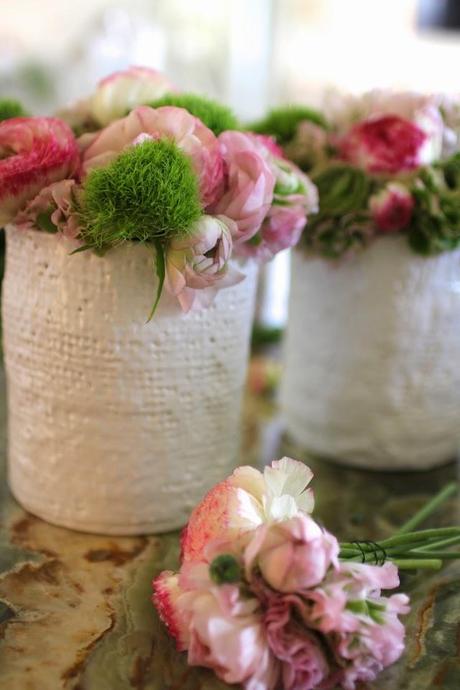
116,425
372,357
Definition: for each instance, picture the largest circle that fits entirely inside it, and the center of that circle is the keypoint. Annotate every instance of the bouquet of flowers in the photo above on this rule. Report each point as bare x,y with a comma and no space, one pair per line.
144,163
383,163
268,598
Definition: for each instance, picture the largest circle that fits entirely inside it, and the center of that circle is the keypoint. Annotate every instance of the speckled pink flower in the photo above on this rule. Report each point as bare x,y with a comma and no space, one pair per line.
34,152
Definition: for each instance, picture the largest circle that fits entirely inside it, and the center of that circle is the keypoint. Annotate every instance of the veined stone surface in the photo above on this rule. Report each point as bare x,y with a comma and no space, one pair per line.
75,609
372,357
116,426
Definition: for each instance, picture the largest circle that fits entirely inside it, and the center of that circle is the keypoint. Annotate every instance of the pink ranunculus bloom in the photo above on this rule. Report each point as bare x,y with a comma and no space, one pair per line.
168,122
122,91
197,265
295,196
385,144
221,629
304,664
250,182
246,500
293,555
34,152
392,207
55,203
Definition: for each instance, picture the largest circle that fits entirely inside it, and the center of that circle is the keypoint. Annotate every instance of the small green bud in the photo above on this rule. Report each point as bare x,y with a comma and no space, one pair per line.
225,569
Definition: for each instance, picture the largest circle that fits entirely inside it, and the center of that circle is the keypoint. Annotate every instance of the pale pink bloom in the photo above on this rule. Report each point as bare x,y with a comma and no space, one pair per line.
221,629
168,122
304,665
392,207
246,500
34,152
250,182
122,91
198,265
295,196
292,555
56,204
309,145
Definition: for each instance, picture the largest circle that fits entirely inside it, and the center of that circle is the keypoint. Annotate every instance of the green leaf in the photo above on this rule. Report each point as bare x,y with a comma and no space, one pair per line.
45,223
160,267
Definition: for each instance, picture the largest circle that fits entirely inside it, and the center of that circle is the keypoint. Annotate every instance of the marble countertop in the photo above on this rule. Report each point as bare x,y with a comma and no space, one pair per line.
75,609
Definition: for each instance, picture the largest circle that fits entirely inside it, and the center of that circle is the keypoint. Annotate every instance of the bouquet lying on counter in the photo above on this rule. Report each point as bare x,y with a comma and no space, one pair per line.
268,598
146,163
384,163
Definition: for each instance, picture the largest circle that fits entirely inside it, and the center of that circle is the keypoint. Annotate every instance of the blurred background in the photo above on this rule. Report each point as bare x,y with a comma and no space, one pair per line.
249,53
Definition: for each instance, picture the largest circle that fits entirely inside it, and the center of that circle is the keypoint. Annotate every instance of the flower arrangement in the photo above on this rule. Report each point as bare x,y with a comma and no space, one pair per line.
384,163
268,598
139,162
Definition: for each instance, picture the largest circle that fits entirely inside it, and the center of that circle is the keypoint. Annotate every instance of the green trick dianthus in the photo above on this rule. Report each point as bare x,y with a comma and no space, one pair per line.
148,193
217,117
282,123
10,108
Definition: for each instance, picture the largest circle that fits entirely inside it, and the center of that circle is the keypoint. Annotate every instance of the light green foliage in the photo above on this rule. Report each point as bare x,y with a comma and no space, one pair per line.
435,224
282,123
217,117
149,193
10,108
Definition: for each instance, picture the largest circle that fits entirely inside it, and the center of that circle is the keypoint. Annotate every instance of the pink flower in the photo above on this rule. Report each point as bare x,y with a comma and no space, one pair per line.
53,206
250,182
385,144
33,153
362,625
294,197
304,665
220,628
189,133
122,91
198,265
246,500
293,555
392,207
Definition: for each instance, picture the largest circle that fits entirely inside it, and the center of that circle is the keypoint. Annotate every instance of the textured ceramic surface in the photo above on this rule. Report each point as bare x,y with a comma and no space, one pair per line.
75,610
116,425
372,351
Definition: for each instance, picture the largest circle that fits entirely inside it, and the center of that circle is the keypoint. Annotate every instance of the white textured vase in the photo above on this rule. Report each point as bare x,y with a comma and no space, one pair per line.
116,425
372,357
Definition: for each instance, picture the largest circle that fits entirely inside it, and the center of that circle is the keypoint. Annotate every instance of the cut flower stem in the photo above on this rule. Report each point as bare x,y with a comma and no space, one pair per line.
409,549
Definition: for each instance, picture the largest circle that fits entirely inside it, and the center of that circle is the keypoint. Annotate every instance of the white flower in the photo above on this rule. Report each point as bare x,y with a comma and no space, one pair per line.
246,500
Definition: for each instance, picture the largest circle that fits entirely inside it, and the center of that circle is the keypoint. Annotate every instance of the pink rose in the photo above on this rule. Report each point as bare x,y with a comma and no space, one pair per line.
246,500
54,204
250,182
188,132
304,665
293,555
198,264
220,628
385,144
33,153
392,207
122,91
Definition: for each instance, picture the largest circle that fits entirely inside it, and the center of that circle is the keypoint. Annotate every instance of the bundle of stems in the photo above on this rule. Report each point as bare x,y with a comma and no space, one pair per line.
410,548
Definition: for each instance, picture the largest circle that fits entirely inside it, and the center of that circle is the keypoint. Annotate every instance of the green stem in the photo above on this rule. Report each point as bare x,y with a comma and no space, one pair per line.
444,555
441,543
420,536
429,508
415,563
